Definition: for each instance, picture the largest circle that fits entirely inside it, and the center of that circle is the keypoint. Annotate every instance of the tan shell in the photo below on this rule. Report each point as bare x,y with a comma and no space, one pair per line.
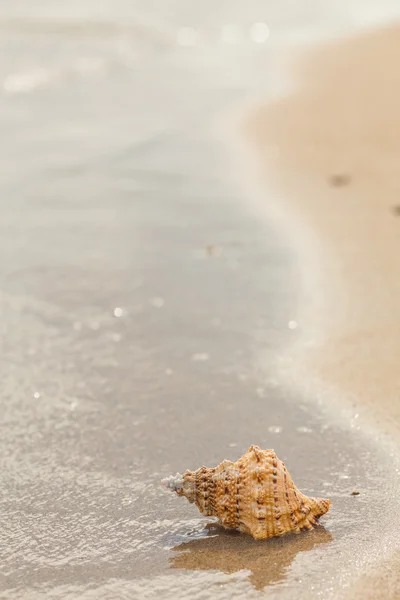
255,495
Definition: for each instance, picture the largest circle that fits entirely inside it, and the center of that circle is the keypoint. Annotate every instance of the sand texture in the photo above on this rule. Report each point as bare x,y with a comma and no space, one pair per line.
336,168
339,150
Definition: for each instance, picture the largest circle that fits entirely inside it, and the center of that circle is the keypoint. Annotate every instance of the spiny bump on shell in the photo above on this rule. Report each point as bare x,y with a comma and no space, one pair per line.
255,495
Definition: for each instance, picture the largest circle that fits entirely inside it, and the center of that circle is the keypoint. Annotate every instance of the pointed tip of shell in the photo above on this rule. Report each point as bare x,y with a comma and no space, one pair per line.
259,453
173,482
319,506
257,450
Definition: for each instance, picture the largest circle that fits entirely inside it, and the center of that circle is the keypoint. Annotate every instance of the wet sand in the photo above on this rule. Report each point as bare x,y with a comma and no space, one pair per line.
146,314
335,167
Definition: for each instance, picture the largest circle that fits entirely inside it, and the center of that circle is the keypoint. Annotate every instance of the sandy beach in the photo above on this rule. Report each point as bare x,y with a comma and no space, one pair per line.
337,169
338,143
152,320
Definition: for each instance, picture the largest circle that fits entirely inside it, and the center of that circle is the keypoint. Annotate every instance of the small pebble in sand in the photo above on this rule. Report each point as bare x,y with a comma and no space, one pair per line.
355,493
396,210
212,250
339,179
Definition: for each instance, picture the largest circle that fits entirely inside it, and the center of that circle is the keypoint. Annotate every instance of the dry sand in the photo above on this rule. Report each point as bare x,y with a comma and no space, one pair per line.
338,169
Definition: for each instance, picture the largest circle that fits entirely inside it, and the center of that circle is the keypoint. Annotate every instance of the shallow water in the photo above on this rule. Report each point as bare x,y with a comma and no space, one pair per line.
138,293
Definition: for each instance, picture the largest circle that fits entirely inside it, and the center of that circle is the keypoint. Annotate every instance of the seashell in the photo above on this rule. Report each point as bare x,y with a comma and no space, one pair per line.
255,495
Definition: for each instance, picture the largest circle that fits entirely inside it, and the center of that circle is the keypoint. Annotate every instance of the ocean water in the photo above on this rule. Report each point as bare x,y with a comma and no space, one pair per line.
138,290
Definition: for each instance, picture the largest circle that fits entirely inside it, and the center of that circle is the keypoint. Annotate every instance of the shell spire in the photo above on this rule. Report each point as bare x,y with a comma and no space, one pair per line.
255,495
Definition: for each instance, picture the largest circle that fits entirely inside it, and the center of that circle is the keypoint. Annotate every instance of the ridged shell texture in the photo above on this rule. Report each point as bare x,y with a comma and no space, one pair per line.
255,495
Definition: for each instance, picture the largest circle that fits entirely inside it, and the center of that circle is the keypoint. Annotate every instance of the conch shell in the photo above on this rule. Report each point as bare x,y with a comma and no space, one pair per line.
255,495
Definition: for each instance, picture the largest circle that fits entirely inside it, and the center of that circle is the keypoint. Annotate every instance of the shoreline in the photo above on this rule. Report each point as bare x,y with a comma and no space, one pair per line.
335,173
148,322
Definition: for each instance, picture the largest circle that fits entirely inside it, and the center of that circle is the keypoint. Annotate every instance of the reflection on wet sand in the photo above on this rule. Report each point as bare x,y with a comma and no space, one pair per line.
230,552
